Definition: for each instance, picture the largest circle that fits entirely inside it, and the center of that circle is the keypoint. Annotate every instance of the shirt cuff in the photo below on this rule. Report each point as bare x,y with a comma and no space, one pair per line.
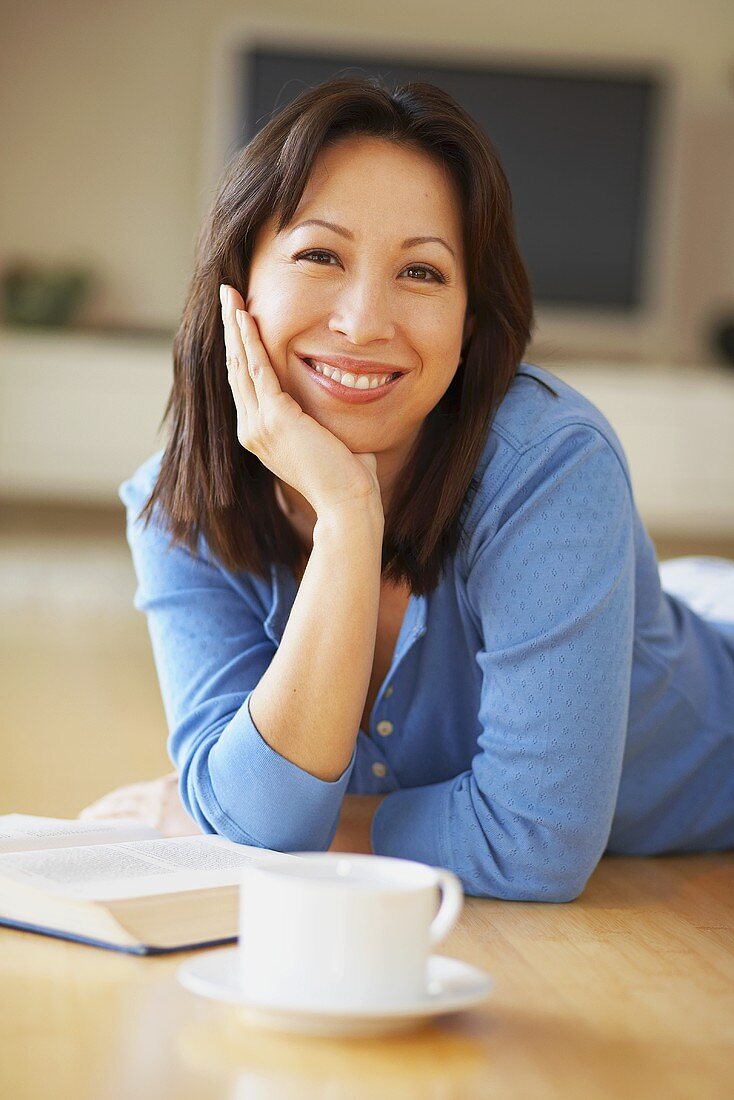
269,798
411,824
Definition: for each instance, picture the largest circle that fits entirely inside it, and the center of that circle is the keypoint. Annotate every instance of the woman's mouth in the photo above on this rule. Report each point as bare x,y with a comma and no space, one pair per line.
352,388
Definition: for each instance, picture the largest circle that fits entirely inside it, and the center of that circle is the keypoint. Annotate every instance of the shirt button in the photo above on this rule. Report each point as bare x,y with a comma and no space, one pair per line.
384,728
379,769
388,692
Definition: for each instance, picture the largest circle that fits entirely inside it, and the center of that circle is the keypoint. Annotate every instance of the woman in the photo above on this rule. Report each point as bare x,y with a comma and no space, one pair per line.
399,595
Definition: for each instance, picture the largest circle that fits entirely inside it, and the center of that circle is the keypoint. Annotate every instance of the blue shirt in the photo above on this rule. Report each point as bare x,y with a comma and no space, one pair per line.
547,702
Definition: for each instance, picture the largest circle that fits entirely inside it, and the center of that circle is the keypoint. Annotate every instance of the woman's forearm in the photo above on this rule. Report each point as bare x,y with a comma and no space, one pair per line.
309,702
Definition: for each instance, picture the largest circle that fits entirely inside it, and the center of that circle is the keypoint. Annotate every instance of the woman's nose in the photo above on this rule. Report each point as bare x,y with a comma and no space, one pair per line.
363,312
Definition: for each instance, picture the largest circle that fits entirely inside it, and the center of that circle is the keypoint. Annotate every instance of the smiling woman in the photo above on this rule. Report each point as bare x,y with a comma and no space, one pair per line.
378,326
399,594
373,232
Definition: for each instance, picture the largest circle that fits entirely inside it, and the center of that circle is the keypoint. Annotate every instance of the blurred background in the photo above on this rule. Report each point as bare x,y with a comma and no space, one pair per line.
615,124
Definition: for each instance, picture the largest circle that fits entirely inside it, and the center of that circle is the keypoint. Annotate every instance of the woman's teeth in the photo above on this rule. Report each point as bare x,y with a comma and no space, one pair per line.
351,381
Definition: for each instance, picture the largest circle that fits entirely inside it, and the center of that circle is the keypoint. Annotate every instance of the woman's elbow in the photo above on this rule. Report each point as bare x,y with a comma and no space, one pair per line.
554,885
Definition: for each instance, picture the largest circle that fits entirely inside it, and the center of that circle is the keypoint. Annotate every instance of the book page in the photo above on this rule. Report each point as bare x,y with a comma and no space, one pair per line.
25,833
107,871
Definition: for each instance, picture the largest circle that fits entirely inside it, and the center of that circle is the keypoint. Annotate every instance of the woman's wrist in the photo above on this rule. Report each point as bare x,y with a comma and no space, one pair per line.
366,512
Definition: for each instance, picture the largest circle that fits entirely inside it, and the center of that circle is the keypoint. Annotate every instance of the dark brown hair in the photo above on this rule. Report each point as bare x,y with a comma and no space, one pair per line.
208,484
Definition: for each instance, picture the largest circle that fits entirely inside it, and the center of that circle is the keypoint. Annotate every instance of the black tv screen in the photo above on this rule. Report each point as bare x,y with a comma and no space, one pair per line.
577,148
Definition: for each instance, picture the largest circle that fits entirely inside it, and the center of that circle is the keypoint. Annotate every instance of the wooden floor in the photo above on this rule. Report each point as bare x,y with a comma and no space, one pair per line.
81,709
625,994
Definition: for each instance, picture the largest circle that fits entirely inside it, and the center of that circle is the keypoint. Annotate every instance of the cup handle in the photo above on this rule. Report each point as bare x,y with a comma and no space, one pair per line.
452,901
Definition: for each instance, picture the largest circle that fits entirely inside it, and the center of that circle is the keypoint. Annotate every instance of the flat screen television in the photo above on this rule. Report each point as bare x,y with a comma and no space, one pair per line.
588,151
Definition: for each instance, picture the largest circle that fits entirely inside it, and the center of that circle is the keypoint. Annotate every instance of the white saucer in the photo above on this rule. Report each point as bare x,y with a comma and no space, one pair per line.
451,986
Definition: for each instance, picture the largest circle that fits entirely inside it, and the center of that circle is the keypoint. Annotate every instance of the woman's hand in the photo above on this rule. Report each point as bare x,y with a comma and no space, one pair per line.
272,425
156,803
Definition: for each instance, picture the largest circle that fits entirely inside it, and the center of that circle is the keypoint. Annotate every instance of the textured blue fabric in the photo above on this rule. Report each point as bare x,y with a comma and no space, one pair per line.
547,702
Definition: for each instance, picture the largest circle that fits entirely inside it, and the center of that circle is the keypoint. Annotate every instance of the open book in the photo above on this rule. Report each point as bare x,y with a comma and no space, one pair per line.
119,884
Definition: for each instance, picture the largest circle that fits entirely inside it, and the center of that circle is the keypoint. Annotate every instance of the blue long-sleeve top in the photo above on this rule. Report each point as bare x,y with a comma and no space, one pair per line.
547,702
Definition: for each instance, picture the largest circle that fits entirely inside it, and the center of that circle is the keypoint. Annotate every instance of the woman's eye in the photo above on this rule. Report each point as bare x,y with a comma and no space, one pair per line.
422,269
315,252
435,275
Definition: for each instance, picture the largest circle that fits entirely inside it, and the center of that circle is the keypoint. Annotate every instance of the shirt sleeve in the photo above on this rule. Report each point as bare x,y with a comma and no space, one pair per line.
550,584
210,650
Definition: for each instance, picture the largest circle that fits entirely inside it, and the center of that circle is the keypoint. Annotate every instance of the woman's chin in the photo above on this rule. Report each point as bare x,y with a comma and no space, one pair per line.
358,442
361,437
353,435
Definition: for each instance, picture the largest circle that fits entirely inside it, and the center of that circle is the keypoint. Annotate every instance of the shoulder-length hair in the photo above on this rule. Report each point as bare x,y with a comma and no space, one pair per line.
209,485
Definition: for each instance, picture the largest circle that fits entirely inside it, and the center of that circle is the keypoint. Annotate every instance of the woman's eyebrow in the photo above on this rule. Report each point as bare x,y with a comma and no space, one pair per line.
408,243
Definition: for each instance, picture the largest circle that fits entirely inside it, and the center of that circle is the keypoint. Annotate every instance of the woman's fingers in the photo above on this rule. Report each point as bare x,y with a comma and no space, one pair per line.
131,800
261,402
124,798
156,803
240,382
272,425
259,366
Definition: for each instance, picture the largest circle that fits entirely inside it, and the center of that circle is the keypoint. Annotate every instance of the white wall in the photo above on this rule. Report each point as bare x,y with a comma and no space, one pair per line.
103,108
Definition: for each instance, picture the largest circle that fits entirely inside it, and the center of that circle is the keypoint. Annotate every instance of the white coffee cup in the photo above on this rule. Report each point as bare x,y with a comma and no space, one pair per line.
332,929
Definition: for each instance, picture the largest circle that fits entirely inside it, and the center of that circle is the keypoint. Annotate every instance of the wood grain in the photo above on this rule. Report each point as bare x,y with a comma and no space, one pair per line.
628,991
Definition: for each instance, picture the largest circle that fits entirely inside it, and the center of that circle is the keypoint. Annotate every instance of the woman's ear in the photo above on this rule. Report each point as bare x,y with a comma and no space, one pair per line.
469,324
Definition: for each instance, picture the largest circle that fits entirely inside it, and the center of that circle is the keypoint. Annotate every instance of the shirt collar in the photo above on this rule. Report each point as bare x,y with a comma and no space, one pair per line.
285,588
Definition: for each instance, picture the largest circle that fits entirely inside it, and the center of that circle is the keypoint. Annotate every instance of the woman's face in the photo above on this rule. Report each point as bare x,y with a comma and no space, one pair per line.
361,293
